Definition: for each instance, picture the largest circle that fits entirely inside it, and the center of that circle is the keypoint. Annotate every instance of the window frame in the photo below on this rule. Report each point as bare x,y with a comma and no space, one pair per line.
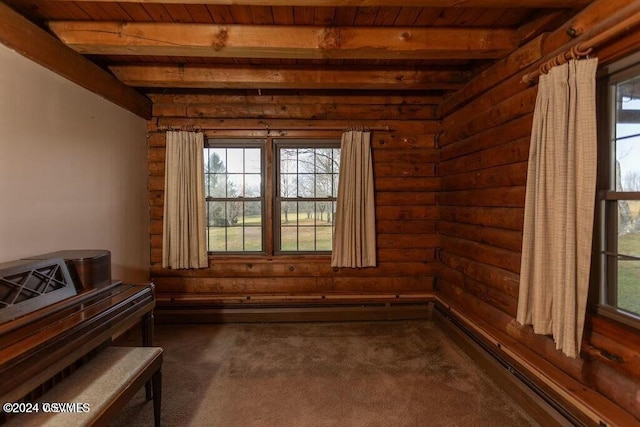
606,245
284,143
234,143
270,187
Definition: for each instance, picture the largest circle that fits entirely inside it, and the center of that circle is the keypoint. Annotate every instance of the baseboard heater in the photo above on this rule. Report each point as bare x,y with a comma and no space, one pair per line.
308,312
492,352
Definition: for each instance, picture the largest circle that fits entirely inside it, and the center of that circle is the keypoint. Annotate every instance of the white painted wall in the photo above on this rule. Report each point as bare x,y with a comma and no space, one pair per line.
73,170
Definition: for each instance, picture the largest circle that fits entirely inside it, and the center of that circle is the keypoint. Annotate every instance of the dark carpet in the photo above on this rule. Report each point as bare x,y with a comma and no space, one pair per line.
320,374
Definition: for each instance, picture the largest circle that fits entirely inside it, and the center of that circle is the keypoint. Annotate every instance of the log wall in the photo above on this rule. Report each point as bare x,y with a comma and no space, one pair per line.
483,166
451,209
405,159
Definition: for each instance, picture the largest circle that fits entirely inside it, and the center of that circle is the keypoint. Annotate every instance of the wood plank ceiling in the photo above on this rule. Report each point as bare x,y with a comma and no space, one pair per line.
430,45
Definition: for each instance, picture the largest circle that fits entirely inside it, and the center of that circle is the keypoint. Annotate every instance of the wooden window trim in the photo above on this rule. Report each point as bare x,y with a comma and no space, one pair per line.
320,142
230,143
269,188
606,229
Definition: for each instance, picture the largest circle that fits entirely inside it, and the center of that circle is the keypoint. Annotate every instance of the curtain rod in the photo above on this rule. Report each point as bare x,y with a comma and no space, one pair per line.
607,30
276,129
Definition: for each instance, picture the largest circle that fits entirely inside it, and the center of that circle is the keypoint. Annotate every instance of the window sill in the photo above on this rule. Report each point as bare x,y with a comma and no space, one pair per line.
620,316
266,258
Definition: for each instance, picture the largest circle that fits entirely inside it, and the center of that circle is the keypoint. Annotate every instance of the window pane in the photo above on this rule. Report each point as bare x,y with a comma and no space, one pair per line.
629,233
305,160
324,238
216,184
253,213
307,173
253,185
288,158
629,222
288,214
305,185
216,214
253,238
231,175
288,185
235,159
324,160
324,212
235,185
324,184
215,172
234,239
214,160
233,212
628,161
628,101
306,239
252,161
216,238
288,238
629,285
627,141
306,216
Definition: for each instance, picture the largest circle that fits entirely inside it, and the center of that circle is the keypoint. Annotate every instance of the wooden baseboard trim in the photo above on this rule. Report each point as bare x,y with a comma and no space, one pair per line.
308,312
235,300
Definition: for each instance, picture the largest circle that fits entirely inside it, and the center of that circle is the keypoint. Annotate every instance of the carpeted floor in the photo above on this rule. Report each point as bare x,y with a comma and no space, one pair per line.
320,374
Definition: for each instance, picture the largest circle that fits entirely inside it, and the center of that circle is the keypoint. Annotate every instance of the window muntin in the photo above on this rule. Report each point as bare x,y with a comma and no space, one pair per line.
307,187
234,186
620,198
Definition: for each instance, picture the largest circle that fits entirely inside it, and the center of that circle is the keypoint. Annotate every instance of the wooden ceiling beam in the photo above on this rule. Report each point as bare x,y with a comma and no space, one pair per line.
376,3
29,40
225,77
287,42
540,24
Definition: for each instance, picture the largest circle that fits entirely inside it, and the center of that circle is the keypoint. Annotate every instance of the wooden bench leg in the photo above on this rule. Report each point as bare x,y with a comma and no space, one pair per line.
156,381
147,341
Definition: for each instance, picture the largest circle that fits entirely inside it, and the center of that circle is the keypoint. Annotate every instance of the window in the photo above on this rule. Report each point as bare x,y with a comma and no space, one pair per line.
281,208
619,194
234,186
306,195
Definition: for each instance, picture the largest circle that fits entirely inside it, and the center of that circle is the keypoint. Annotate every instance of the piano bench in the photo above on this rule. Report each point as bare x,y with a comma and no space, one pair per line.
100,389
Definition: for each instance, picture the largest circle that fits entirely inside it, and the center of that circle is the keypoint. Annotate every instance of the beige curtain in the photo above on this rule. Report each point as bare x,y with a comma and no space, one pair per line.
354,241
559,206
183,244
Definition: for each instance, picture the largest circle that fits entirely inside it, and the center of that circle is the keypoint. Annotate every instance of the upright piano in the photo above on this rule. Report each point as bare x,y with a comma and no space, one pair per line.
54,312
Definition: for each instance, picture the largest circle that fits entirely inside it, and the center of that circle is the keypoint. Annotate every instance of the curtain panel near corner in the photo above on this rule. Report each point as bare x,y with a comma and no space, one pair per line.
559,206
354,241
183,241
